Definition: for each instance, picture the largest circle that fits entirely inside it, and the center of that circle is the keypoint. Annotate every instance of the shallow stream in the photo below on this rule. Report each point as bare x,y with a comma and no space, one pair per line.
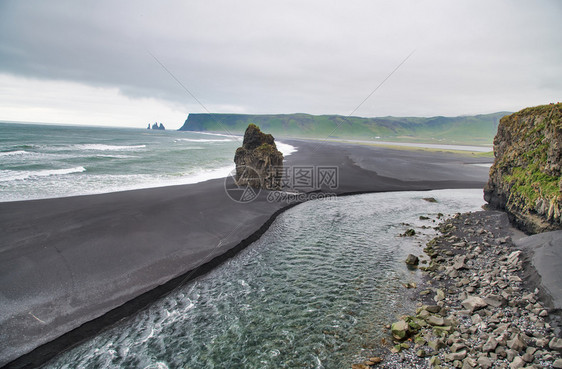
315,291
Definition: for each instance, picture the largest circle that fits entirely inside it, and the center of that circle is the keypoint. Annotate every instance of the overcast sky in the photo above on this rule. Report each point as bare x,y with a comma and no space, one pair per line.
91,62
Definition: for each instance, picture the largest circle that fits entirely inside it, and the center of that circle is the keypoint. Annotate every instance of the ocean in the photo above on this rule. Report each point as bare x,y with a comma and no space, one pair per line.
46,161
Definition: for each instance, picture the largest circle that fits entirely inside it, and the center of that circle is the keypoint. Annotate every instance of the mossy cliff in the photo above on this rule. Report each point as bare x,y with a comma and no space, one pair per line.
258,162
525,179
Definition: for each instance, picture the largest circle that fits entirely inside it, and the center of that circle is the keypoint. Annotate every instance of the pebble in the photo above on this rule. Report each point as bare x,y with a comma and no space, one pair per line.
482,315
490,345
474,303
484,362
517,363
555,344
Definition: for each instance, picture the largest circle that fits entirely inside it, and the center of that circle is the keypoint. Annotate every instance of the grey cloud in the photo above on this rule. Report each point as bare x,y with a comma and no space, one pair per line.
315,57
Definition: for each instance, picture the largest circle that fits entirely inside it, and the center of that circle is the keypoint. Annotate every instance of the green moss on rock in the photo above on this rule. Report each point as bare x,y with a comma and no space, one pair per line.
525,179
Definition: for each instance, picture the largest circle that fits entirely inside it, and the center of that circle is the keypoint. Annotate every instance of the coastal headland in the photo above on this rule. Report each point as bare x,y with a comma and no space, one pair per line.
73,266
492,295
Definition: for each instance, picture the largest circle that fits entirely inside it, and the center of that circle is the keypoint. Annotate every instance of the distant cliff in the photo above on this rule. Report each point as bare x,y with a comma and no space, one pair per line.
478,129
525,179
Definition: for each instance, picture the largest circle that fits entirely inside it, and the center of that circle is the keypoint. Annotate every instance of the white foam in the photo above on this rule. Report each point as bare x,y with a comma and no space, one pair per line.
91,147
204,140
158,365
15,153
218,134
205,175
116,156
102,147
27,185
285,149
13,175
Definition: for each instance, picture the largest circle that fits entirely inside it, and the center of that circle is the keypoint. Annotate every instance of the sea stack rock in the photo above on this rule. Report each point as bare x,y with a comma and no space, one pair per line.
156,126
258,162
525,179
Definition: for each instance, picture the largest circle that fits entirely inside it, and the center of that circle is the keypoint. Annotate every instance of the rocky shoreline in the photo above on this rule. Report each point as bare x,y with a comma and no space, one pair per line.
476,306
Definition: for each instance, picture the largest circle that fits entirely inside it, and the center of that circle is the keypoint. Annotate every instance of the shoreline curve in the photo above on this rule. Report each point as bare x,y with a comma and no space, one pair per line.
359,168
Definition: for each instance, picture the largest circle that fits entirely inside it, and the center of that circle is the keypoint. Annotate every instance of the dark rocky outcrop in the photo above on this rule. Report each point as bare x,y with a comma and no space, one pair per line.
156,126
258,162
525,179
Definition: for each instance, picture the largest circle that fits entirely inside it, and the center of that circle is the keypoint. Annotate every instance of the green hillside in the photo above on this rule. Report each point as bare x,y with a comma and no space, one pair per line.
478,129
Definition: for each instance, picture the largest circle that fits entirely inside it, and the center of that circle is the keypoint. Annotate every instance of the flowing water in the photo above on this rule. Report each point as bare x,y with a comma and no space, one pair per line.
313,292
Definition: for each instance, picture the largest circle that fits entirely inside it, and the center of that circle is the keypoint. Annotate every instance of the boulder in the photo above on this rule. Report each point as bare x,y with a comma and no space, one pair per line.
412,260
555,344
484,362
439,295
409,233
495,300
400,329
516,343
490,345
435,320
517,363
360,366
459,355
513,258
474,303
460,263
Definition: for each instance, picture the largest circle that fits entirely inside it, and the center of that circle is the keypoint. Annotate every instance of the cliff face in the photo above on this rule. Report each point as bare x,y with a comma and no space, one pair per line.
258,162
525,179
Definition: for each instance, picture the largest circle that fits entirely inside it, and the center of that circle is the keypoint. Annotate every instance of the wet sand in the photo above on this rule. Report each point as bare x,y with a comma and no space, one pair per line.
70,267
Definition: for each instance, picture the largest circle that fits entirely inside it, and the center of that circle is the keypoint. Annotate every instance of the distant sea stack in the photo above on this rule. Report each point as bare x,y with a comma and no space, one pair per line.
525,179
258,162
156,126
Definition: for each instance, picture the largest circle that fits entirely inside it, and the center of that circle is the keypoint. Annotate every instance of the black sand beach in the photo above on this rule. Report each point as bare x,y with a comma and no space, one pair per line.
95,259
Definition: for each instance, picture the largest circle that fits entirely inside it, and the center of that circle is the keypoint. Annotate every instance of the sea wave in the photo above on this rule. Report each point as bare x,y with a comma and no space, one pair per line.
204,140
103,147
115,156
206,174
13,175
219,134
15,153
285,149
89,147
96,183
